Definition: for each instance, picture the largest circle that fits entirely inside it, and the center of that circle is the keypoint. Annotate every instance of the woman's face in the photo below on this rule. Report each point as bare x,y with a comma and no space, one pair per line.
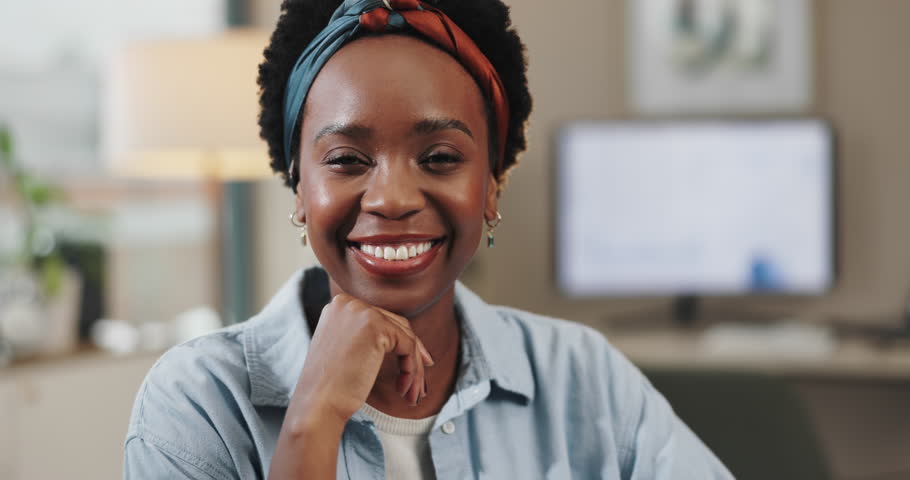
394,160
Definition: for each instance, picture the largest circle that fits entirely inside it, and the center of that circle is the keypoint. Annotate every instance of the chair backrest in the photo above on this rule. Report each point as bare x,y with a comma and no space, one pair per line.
755,423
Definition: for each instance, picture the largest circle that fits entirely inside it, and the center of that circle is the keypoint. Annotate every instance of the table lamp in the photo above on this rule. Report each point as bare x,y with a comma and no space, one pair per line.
186,109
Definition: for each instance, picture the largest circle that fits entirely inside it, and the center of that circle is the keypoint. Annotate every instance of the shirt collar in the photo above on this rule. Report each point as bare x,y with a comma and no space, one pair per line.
276,340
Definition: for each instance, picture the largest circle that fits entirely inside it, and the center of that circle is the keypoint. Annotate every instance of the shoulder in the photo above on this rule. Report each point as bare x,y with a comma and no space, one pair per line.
577,363
573,356
193,398
559,340
190,369
576,368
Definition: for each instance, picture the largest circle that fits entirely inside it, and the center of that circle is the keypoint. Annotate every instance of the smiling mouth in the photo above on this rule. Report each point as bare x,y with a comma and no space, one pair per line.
398,251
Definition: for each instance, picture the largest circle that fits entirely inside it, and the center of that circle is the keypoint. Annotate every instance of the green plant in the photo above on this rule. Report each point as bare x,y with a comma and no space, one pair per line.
35,196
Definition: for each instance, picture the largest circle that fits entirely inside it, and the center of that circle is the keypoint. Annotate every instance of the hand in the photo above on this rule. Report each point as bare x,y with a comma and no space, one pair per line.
346,353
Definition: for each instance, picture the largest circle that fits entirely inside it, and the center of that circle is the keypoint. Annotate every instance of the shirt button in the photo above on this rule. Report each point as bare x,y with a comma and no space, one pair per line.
448,428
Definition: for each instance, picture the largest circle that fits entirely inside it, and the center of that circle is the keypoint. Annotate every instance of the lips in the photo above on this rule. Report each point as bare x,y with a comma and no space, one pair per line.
386,255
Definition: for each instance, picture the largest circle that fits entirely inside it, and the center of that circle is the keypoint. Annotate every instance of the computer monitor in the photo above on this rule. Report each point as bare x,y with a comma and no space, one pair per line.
693,208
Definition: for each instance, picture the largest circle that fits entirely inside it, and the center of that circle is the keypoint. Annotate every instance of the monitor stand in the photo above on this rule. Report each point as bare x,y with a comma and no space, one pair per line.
685,310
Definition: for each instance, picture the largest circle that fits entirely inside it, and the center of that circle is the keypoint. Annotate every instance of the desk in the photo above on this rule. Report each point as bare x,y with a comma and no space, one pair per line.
857,397
852,360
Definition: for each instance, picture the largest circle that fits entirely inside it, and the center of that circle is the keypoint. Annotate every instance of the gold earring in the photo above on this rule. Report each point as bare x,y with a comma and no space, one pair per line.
490,227
300,225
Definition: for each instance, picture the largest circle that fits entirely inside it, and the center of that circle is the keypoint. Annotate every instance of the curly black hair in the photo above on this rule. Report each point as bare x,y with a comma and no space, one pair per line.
488,24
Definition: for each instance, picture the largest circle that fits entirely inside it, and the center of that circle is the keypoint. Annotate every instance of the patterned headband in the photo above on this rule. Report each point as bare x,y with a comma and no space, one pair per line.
384,16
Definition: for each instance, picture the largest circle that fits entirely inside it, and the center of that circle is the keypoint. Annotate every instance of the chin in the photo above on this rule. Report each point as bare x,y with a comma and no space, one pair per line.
401,297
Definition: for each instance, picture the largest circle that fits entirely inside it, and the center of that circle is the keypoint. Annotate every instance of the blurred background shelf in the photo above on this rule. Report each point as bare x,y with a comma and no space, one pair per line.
67,417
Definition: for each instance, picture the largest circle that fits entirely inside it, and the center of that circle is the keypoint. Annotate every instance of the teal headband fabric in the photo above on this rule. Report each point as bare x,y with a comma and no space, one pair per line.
342,27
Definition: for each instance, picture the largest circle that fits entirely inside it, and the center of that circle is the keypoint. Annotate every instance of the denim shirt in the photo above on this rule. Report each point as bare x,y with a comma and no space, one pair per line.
536,397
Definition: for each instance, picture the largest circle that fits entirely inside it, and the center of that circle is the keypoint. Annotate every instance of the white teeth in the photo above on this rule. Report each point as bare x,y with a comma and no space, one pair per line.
399,252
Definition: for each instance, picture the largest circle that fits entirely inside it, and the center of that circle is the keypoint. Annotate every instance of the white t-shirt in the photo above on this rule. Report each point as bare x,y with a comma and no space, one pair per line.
406,445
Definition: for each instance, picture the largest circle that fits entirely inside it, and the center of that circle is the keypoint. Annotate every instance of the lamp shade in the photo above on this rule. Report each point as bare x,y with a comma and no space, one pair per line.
186,108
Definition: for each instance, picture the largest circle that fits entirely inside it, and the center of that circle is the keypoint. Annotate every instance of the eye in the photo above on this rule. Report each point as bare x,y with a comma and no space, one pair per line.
346,163
441,162
343,159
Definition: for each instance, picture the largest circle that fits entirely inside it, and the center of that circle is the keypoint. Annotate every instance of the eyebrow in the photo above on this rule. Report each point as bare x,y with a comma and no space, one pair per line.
355,131
426,126
433,125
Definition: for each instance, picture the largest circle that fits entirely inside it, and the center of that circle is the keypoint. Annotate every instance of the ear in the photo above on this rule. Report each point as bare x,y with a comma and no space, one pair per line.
491,207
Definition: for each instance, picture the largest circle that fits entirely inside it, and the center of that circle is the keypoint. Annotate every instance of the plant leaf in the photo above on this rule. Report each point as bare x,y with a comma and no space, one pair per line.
52,274
6,142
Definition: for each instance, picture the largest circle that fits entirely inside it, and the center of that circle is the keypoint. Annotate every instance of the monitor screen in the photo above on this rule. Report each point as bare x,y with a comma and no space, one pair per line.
689,208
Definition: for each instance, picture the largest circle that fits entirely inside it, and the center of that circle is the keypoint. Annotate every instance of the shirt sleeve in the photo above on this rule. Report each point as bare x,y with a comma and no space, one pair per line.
144,459
665,447
657,445
189,419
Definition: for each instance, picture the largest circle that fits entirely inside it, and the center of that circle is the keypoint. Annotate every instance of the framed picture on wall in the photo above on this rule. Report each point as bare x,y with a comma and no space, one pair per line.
718,56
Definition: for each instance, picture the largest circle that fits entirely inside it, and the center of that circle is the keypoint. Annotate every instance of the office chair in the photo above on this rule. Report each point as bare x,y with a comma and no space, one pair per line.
755,423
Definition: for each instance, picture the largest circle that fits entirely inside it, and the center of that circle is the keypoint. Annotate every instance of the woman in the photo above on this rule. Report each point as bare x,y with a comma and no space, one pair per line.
396,124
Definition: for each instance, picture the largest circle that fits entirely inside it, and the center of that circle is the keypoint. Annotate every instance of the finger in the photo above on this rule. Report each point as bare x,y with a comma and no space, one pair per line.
412,377
406,325
413,393
420,381
403,383
422,351
416,385
409,365
425,354
399,342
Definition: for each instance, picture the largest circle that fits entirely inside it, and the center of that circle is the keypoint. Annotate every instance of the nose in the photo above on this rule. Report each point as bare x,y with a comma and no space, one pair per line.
393,192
